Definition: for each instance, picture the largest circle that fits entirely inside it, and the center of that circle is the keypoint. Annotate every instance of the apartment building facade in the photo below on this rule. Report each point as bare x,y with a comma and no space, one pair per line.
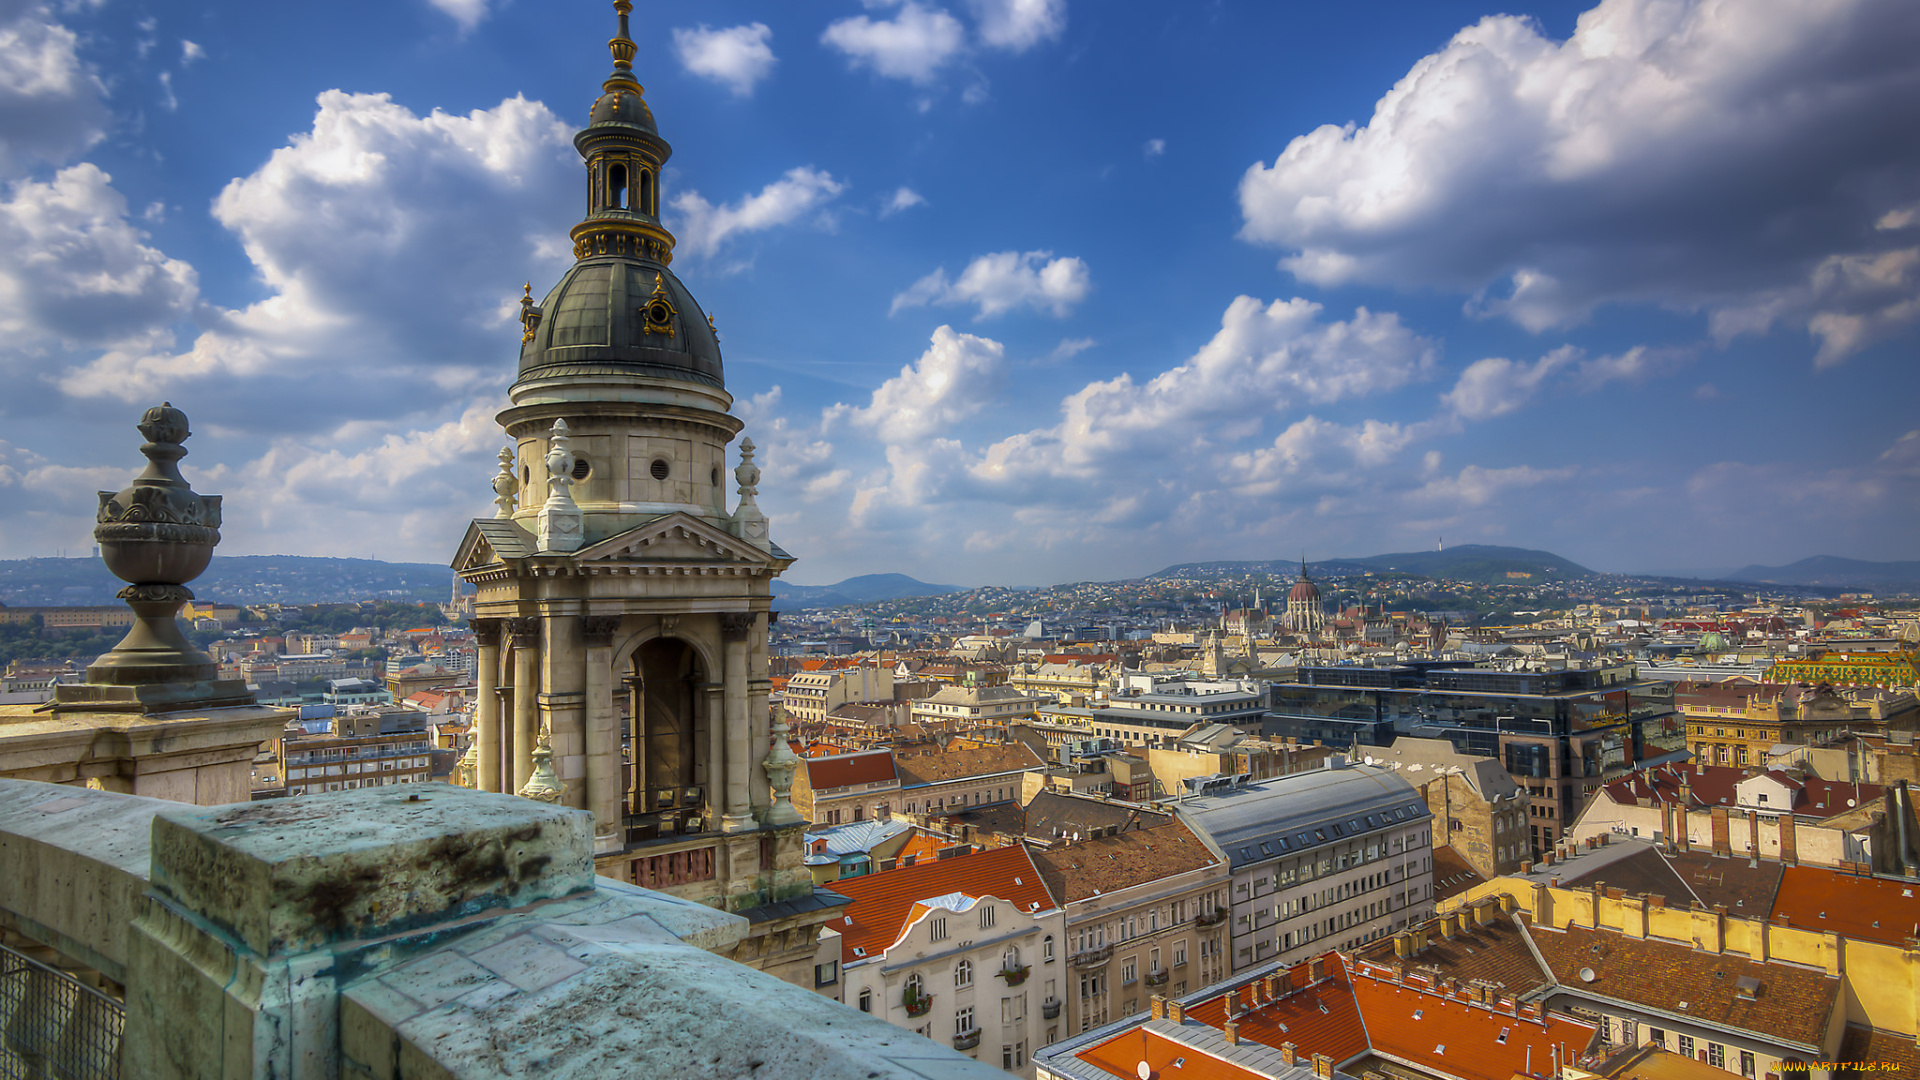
1145,914
965,951
1319,860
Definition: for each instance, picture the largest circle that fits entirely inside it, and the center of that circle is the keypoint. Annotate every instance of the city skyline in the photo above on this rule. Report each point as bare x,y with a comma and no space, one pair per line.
1010,292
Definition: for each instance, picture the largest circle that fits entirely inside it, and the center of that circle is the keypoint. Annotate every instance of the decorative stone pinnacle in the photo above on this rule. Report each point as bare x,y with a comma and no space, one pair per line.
747,472
543,784
506,486
156,534
748,523
780,765
560,521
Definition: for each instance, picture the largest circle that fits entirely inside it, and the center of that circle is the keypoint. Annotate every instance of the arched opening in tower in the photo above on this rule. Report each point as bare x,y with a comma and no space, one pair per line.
645,203
617,187
670,720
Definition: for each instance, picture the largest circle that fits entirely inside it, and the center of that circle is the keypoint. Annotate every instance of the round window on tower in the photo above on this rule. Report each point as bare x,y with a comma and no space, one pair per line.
659,469
581,469
658,313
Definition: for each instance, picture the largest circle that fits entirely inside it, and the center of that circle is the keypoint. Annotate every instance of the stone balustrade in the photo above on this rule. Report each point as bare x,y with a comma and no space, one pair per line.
429,932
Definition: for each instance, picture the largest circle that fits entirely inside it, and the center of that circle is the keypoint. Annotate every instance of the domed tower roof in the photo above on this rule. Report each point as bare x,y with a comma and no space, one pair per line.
618,314
1304,589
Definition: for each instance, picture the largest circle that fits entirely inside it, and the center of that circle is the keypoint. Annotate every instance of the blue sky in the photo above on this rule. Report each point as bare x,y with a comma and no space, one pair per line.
1013,291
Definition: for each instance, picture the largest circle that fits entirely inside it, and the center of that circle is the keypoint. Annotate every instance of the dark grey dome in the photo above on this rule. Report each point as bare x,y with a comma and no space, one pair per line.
621,316
624,108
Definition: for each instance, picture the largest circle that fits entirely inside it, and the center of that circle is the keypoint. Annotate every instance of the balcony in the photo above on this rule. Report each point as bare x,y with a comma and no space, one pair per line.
967,1040
1157,978
1091,958
1050,1009
1211,918
1016,975
917,1005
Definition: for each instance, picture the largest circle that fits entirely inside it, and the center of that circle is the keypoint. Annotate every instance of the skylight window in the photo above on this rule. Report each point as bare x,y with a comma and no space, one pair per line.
1417,1013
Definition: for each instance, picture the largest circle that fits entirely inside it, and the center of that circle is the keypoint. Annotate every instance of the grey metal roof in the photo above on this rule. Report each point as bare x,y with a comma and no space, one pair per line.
508,540
1288,815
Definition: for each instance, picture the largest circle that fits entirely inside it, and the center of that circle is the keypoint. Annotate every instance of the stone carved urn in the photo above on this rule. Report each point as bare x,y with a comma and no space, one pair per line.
156,534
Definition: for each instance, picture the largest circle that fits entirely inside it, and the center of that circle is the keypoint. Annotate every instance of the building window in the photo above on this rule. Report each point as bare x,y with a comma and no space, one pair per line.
1129,971
1747,1064
987,916
826,974
963,974
1657,1037
1686,1046
938,930
963,1021
1046,948
866,1001
1717,1055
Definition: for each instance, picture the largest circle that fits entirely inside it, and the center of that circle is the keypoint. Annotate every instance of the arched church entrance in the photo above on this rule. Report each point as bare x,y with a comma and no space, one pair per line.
668,704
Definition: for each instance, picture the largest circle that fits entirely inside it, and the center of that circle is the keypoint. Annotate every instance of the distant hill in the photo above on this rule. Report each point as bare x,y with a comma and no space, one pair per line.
1833,572
854,590
234,579
1484,563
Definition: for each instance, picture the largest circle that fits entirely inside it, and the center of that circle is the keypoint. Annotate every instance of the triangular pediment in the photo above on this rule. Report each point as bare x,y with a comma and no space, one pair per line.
491,541
676,537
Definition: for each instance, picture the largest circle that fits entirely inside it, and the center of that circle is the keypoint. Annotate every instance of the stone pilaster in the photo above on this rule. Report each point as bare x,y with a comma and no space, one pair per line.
562,702
736,631
604,786
486,705
526,697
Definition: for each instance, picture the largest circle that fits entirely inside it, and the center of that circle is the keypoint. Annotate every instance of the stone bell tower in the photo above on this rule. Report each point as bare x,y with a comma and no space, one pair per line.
621,609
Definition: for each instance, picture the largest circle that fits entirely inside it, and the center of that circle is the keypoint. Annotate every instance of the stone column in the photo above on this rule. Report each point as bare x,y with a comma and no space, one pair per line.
526,697
736,629
759,715
562,697
604,786
486,705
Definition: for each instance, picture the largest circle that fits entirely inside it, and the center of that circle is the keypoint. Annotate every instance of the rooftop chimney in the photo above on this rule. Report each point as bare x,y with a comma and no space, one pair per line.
1288,1055
1176,1012
1231,1032
1157,1006
1323,1066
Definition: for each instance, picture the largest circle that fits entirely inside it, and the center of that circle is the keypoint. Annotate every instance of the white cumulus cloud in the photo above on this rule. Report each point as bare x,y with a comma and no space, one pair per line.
387,239
1019,25
903,198
75,271
913,45
1005,280
737,57
703,227
957,377
52,106
1729,156
467,13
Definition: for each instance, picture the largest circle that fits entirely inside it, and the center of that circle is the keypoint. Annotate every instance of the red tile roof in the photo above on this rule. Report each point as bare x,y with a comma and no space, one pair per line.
1714,785
1317,1017
1447,1034
883,903
1121,1055
865,767
1862,908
